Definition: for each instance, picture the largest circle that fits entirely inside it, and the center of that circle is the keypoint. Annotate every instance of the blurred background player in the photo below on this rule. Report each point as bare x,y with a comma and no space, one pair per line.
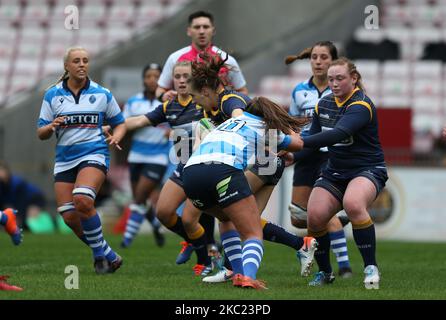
201,30
346,122
308,166
25,197
75,109
8,220
148,158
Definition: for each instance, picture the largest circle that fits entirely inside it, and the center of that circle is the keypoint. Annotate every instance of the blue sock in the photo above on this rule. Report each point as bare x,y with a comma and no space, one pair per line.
252,256
110,255
3,218
232,245
134,222
338,245
93,234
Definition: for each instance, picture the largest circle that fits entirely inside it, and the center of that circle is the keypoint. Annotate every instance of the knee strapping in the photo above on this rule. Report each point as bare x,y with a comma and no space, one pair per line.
85,191
66,207
297,212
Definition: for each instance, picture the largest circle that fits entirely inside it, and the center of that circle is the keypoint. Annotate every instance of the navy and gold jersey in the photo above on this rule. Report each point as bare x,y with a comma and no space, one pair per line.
356,116
181,116
228,101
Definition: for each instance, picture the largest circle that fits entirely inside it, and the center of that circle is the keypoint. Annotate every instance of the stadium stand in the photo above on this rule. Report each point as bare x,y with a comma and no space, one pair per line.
402,64
33,38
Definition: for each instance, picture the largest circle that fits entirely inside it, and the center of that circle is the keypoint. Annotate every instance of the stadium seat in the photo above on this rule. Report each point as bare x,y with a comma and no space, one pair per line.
395,102
9,12
395,86
27,67
53,66
427,70
92,12
427,87
396,69
301,69
427,104
29,50
121,12
369,69
32,35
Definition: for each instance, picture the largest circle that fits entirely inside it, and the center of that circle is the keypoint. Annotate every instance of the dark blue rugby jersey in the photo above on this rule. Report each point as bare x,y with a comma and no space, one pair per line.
228,101
180,115
356,116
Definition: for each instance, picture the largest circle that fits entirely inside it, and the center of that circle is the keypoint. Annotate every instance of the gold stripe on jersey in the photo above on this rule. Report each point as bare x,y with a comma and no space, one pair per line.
365,104
165,103
341,103
184,103
230,95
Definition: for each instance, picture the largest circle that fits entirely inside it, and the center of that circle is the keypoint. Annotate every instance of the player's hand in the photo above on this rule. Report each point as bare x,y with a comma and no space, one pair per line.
57,122
169,95
443,134
111,140
287,157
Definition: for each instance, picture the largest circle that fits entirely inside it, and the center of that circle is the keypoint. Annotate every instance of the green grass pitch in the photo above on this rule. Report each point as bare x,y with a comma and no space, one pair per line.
409,271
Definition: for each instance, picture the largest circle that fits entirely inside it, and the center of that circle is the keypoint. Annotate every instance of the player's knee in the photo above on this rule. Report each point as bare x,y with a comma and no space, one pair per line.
353,207
164,213
83,204
83,199
316,220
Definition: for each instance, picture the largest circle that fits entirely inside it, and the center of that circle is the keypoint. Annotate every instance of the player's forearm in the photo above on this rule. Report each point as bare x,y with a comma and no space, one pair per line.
133,123
119,131
45,132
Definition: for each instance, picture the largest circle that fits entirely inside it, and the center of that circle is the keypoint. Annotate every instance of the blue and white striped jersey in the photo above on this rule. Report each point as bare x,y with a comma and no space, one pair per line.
149,144
238,142
81,137
303,100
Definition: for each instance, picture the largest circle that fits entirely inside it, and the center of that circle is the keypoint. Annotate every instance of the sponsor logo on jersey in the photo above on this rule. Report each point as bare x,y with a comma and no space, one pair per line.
84,120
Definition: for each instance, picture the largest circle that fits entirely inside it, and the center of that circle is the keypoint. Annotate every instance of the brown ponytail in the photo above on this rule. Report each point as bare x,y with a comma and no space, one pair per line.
306,53
274,115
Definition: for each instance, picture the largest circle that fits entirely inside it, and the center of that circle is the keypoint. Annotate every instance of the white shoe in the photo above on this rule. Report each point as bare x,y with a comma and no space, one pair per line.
221,276
371,280
306,255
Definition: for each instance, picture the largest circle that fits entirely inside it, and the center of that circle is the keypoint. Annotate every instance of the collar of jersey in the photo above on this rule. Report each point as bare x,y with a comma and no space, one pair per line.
184,103
341,103
196,51
85,87
311,84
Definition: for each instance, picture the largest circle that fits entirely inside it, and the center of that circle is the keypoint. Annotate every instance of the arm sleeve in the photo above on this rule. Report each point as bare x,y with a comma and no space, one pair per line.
302,154
126,110
46,114
356,117
232,103
113,113
158,115
235,74
165,80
